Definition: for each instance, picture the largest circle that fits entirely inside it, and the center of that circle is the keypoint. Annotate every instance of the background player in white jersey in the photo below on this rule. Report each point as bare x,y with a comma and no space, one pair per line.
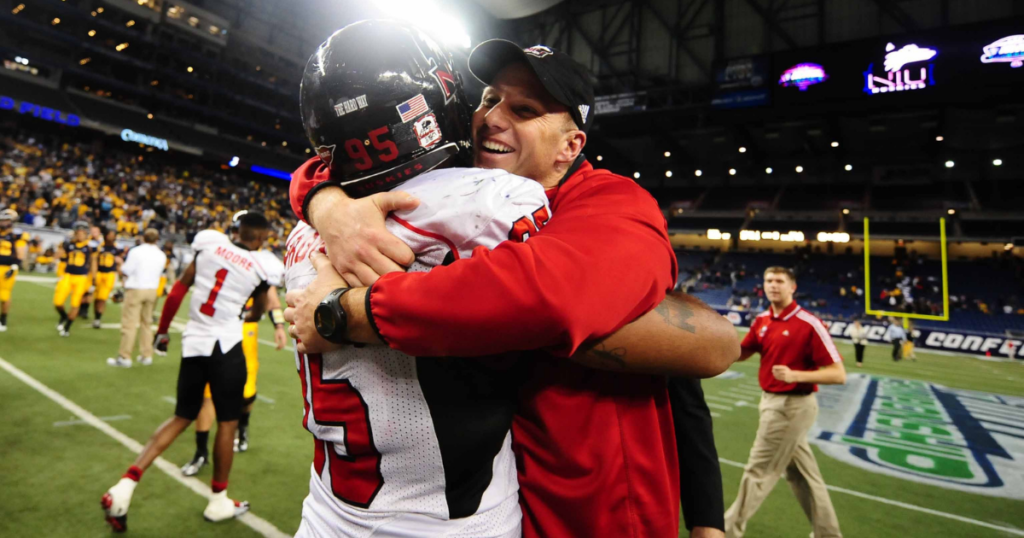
250,348
225,276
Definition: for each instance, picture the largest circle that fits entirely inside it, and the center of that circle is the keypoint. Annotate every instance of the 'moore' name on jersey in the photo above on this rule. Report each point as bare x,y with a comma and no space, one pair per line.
226,276
421,435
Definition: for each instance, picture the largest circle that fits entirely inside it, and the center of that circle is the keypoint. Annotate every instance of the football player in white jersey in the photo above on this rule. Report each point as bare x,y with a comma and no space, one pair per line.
408,446
225,275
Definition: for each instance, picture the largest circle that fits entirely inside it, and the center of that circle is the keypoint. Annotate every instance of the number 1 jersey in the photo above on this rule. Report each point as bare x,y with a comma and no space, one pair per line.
427,438
226,276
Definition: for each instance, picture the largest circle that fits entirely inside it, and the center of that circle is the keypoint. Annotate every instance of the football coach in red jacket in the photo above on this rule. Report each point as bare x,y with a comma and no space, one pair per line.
596,449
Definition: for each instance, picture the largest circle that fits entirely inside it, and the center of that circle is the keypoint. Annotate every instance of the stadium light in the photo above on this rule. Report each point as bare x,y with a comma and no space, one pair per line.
668,173
149,116
743,149
284,143
997,162
84,61
732,171
668,153
950,164
99,10
189,69
18,9
698,173
600,158
307,150
1008,246
768,170
130,23
951,211
846,211
92,33
121,47
431,17
636,175
835,144
55,21
233,162
848,167
799,169
939,138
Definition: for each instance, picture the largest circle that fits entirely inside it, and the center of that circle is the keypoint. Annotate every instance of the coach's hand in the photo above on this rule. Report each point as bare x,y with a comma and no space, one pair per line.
160,343
785,374
706,532
360,247
302,304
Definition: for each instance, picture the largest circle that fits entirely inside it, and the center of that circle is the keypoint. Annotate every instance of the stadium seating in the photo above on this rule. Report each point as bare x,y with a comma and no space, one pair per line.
982,288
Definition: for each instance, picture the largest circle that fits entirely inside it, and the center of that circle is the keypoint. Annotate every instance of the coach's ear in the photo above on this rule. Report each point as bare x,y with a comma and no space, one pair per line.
572,145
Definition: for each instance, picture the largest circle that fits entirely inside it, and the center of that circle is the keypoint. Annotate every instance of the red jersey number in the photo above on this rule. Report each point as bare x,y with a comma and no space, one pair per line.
523,228
207,308
356,478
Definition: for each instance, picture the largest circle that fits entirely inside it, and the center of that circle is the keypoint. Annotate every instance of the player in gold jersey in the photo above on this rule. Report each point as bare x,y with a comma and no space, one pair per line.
79,272
108,265
13,247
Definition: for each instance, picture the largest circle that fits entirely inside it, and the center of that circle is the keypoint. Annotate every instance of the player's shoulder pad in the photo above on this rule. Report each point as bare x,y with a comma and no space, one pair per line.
272,265
464,203
207,238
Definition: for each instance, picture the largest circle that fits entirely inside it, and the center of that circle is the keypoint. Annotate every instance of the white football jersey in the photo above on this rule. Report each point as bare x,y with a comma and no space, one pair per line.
408,446
226,276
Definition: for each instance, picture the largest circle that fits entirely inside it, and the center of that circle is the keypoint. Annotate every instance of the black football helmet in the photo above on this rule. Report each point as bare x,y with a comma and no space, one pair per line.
381,103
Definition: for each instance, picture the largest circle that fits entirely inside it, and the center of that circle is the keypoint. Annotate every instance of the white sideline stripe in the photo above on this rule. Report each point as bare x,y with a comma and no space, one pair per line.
171,400
712,405
907,506
263,398
719,399
62,423
715,414
249,519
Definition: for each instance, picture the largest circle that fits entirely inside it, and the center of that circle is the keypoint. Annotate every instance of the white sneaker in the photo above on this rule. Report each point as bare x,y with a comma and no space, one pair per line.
119,362
60,326
115,503
222,508
145,361
3,328
64,333
96,324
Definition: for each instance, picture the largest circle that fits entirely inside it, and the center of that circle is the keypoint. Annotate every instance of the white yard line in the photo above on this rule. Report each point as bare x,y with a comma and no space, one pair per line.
62,423
249,519
712,405
907,506
273,345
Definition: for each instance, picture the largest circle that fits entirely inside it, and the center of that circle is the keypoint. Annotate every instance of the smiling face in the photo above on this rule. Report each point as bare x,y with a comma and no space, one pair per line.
521,129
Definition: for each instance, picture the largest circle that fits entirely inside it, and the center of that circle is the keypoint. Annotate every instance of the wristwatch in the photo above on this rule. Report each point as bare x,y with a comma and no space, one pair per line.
330,318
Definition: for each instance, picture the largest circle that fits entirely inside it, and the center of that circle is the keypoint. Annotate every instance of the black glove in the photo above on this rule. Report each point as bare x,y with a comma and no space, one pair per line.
10,272
161,342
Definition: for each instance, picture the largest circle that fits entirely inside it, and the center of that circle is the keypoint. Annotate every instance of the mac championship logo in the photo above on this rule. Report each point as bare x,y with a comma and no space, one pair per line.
957,439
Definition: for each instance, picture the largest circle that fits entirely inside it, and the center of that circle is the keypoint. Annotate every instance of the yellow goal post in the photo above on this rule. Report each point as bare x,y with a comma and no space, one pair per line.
907,316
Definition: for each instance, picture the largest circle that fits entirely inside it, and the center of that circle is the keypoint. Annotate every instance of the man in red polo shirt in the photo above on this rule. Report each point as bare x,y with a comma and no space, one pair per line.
596,450
797,354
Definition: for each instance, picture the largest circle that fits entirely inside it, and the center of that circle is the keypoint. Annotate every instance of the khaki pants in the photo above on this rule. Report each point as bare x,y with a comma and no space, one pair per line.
781,447
137,315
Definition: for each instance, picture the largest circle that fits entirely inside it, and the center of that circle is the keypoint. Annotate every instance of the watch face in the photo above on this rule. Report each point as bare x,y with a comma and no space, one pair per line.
324,321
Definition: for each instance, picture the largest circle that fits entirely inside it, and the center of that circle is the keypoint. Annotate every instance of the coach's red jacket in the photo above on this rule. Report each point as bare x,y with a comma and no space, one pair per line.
595,450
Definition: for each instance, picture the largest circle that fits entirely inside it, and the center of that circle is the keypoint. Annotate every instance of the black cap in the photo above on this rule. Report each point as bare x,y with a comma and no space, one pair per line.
564,78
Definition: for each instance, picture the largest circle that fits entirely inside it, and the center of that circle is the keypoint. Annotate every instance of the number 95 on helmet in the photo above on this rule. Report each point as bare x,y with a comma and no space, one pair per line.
381,103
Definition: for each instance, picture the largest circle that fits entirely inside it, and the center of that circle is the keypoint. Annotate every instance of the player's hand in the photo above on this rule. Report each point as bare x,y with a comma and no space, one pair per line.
302,304
784,374
160,344
280,337
10,272
706,532
360,247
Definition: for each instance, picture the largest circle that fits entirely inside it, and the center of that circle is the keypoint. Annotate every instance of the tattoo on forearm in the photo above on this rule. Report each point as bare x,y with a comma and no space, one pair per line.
676,313
612,357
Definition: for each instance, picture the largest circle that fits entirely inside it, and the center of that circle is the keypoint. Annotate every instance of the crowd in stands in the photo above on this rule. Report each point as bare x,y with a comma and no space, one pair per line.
832,286
54,182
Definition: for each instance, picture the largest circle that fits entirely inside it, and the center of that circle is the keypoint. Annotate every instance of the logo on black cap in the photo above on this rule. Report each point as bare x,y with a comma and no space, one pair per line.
539,51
